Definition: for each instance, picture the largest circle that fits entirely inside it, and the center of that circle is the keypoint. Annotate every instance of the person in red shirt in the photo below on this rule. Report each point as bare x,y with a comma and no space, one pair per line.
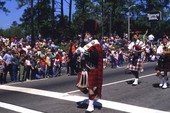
43,67
59,59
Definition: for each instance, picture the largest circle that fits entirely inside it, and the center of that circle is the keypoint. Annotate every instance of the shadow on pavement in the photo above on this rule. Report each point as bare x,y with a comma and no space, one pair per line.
84,104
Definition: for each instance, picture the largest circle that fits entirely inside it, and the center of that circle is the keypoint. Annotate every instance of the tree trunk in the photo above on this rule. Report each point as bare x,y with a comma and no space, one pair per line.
70,11
53,18
32,24
62,13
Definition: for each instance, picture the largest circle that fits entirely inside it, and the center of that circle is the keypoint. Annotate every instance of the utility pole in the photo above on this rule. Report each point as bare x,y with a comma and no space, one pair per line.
53,19
32,24
110,26
102,18
129,21
38,16
70,12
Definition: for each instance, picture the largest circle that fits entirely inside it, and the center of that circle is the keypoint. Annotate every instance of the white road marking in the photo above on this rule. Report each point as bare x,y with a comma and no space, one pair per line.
17,108
128,80
74,98
116,82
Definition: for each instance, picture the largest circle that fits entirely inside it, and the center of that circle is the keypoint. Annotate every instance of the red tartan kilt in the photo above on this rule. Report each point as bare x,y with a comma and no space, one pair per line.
95,79
92,78
95,76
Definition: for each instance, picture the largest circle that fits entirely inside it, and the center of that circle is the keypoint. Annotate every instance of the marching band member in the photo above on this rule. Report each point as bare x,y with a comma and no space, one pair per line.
164,62
136,47
91,75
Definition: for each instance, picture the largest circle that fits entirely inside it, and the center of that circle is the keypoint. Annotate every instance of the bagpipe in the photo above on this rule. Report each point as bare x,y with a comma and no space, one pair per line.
166,48
139,45
90,57
135,55
88,53
163,59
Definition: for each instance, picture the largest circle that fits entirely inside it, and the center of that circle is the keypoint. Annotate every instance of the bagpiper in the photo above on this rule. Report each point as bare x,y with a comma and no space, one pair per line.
163,64
91,75
136,47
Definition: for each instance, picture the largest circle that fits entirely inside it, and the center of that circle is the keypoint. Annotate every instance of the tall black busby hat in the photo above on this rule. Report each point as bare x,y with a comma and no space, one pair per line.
91,26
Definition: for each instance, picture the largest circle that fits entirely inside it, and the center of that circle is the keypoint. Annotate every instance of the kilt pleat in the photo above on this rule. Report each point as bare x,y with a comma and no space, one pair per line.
95,76
137,67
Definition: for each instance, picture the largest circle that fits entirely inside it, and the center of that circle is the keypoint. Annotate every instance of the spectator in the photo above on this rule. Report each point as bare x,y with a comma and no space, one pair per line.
8,65
147,50
27,67
22,66
43,67
15,64
120,57
34,67
1,70
151,38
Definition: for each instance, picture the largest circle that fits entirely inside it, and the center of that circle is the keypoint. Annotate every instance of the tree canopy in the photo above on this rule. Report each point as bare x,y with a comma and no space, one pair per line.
112,15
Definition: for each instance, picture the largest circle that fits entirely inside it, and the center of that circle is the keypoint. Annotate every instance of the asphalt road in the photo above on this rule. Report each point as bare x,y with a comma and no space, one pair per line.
59,94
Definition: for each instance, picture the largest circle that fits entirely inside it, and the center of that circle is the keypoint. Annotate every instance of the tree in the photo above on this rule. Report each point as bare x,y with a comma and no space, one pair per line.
42,15
50,21
14,31
4,9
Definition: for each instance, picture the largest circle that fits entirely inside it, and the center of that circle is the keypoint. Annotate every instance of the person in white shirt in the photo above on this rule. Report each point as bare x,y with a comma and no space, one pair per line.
163,62
151,38
136,47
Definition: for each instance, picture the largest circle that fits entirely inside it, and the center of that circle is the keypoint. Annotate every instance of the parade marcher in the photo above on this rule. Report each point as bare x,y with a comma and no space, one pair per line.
136,47
90,77
163,62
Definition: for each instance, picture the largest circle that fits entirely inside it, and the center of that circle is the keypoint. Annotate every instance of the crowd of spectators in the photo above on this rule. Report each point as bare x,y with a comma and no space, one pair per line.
21,62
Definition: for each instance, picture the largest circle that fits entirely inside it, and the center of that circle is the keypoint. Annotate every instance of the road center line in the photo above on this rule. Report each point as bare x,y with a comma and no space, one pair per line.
17,108
75,98
112,83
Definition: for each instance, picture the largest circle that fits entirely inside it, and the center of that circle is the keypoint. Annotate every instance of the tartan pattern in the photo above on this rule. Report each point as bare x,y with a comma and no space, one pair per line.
137,67
166,66
95,76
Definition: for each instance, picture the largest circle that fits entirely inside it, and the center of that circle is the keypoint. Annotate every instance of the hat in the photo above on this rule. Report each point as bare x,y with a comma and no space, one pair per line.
91,26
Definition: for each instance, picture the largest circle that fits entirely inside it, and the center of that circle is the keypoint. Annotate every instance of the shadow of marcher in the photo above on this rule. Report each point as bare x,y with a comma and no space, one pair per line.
84,104
130,82
156,85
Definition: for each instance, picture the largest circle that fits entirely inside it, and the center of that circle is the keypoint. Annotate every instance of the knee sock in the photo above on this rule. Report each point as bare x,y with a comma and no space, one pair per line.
85,91
165,78
136,74
91,97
